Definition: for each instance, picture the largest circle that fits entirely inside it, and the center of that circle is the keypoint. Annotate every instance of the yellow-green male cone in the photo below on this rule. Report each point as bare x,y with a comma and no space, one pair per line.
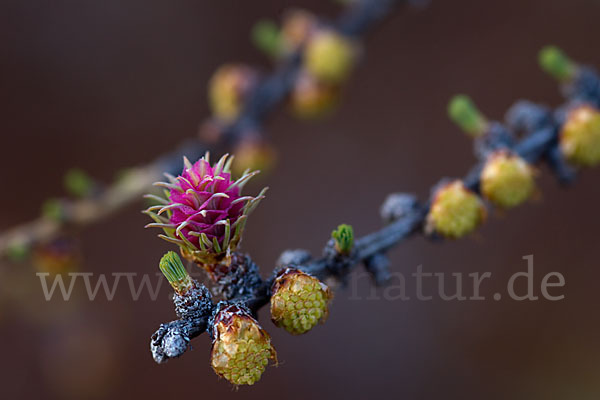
580,136
241,349
455,211
299,301
507,180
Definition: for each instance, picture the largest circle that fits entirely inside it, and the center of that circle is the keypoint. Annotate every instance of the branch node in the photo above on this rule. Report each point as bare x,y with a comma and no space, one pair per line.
196,302
496,137
526,116
338,264
170,341
293,258
565,173
398,205
241,279
378,265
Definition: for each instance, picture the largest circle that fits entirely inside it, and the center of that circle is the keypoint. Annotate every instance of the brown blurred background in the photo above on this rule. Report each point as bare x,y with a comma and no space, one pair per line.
104,85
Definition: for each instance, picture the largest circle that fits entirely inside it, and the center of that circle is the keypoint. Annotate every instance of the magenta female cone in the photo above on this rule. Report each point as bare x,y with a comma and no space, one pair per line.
204,212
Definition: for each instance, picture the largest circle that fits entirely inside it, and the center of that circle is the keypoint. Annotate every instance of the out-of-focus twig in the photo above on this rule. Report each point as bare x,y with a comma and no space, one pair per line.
267,94
81,212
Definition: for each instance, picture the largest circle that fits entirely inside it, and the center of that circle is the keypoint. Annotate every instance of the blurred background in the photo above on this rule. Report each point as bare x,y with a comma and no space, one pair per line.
104,85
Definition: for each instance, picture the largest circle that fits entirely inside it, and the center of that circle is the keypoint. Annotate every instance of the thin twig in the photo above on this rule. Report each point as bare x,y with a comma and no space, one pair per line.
80,213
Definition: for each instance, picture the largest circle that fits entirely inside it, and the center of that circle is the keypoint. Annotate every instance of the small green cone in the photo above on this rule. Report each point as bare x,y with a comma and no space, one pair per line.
173,269
463,112
556,63
344,239
54,210
78,183
17,251
265,36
